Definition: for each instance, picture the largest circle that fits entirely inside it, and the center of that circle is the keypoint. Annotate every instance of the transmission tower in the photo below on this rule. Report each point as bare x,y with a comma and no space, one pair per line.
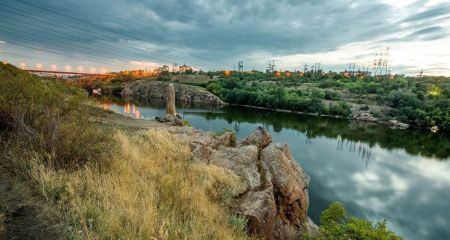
241,66
271,66
386,62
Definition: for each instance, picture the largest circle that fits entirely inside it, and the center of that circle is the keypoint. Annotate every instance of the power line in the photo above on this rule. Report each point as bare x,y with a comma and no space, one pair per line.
74,45
97,26
36,38
96,35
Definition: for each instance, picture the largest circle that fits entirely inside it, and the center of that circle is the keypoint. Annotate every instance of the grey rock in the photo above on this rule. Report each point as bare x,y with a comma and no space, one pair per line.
156,92
260,137
241,160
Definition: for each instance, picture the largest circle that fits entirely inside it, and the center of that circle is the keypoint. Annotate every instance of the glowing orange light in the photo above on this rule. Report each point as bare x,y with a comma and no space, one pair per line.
106,106
227,73
39,66
277,74
68,68
80,68
287,74
23,65
127,108
93,70
54,67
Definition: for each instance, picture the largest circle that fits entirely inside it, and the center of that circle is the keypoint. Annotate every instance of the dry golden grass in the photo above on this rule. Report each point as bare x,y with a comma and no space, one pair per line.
154,190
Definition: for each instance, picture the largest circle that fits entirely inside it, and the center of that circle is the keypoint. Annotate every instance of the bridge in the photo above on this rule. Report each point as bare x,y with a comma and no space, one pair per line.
81,74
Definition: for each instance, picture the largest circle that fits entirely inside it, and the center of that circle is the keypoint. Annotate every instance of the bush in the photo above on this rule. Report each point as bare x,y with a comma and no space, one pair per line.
49,118
336,224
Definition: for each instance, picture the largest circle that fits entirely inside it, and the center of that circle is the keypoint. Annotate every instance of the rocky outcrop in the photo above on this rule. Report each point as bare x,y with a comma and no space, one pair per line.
275,202
155,92
363,116
261,138
397,124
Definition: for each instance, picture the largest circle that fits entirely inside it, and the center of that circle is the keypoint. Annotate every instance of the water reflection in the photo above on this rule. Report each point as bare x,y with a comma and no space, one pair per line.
377,172
425,144
363,150
127,108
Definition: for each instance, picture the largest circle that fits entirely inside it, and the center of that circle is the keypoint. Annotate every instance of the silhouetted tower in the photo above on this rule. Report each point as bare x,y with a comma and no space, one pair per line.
271,66
420,74
374,65
386,62
240,66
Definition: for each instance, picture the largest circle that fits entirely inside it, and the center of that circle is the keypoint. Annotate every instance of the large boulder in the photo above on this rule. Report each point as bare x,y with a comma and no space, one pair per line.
276,201
241,160
259,208
260,137
290,188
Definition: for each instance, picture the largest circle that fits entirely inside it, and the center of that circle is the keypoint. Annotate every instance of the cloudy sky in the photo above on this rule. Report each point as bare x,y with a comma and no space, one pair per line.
106,35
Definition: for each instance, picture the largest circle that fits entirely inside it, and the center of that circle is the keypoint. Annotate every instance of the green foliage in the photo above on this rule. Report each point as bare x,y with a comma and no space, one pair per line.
238,223
422,103
49,118
336,224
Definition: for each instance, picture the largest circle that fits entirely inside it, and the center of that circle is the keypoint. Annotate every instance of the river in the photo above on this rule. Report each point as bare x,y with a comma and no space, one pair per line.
378,173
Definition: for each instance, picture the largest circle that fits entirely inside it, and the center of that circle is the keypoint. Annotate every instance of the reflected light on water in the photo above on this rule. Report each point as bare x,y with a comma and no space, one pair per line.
126,108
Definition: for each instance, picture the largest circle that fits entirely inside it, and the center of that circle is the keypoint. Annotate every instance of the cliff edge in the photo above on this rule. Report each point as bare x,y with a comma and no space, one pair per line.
156,92
275,200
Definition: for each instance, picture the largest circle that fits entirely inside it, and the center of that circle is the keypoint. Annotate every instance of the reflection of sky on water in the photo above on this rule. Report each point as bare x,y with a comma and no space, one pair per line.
410,191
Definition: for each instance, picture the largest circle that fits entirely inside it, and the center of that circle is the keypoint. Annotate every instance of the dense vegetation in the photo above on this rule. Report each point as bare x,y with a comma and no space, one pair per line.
422,103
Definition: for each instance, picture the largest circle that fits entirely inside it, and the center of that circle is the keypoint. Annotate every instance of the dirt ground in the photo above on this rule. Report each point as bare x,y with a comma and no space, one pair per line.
110,118
24,214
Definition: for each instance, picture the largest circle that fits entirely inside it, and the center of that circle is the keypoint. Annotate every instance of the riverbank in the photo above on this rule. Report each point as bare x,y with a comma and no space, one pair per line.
360,116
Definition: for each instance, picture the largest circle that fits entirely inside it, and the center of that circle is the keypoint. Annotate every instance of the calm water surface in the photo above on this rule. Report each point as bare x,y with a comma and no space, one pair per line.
376,172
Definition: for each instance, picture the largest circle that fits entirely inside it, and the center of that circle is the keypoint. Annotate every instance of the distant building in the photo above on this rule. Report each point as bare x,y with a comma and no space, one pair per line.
184,68
164,68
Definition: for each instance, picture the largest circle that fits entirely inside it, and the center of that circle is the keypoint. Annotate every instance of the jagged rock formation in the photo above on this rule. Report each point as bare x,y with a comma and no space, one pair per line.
155,92
275,201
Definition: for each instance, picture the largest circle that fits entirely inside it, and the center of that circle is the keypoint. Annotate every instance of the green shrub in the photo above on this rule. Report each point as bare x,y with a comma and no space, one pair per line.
336,224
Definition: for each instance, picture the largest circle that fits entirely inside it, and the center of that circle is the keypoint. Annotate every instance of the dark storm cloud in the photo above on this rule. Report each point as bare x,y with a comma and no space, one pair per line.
219,30
437,11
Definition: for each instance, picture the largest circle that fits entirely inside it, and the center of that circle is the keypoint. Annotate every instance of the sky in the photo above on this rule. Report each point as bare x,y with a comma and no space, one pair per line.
111,35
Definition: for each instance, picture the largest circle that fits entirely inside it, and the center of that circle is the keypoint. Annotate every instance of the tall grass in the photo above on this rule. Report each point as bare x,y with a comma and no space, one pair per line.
49,118
154,190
